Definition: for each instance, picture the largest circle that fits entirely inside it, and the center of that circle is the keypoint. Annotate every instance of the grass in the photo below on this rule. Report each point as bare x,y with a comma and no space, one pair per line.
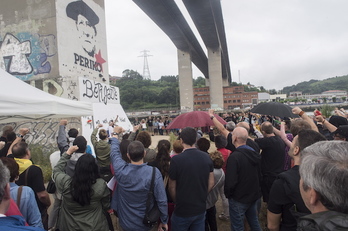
40,155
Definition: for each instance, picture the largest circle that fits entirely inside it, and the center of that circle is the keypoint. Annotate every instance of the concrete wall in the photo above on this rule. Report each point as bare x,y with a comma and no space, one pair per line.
81,35
50,44
41,43
28,39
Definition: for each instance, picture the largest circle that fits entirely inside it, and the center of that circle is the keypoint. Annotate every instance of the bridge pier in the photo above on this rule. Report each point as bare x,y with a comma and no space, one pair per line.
185,81
215,78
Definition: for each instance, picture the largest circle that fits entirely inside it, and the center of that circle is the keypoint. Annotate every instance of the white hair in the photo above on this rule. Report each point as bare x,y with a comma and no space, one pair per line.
324,168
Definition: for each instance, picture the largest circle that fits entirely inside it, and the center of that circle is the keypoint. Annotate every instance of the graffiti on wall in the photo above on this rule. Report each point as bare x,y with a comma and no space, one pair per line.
43,132
26,54
15,53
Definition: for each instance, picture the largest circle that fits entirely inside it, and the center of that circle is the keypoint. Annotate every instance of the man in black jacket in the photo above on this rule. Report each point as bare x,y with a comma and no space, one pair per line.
242,182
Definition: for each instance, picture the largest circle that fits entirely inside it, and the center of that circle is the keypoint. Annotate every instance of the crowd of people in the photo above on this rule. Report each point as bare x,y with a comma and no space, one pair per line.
297,167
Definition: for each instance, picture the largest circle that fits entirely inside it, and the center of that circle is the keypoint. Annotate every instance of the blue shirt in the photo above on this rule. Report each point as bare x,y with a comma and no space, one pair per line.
133,185
28,205
246,146
15,223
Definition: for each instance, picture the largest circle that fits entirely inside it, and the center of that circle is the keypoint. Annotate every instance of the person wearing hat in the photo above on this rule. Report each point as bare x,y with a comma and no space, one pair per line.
339,132
85,19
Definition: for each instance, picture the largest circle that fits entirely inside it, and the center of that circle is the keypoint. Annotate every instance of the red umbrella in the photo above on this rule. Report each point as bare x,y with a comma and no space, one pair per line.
194,119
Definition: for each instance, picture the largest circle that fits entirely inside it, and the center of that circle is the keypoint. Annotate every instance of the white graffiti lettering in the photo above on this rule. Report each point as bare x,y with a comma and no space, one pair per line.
16,53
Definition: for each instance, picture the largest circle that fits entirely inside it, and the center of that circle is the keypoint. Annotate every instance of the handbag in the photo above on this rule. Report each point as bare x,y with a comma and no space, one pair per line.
51,187
151,215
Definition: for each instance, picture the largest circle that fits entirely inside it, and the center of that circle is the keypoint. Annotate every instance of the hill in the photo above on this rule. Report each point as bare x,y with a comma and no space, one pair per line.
317,86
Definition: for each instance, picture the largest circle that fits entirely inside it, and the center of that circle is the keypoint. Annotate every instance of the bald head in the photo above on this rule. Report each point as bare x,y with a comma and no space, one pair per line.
244,125
239,136
267,128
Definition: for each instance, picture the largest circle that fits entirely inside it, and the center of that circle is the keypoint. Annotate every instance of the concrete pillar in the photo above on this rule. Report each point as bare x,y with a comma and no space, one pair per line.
185,81
215,78
225,82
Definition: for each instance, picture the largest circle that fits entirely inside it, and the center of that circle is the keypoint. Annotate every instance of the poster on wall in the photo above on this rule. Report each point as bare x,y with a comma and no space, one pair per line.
82,38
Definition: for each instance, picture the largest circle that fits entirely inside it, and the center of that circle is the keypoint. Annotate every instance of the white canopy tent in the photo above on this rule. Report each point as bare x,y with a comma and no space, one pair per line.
20,101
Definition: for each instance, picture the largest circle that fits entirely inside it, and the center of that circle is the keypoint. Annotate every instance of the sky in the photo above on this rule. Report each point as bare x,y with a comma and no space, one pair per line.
271,43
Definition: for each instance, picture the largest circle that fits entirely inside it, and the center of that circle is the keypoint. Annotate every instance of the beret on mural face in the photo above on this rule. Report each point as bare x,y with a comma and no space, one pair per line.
79,7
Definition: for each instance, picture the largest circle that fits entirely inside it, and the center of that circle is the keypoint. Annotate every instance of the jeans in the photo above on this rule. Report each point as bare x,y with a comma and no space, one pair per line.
195,223
237,212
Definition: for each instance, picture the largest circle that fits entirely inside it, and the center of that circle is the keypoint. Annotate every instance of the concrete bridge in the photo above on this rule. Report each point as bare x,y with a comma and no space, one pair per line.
208,19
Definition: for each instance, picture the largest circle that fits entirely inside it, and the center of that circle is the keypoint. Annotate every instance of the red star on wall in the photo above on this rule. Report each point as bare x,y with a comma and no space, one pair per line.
99,60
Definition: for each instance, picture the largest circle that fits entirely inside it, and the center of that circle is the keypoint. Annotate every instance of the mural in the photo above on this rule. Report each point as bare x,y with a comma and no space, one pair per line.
85,48
43,132
26,54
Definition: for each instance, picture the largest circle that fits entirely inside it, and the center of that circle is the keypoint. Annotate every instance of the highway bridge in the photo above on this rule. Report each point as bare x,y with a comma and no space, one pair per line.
208,19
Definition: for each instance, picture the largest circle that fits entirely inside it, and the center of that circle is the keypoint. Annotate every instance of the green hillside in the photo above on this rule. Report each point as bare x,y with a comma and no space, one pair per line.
317,87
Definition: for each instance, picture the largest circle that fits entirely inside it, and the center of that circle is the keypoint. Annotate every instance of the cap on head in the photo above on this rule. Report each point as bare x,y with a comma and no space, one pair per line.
342,131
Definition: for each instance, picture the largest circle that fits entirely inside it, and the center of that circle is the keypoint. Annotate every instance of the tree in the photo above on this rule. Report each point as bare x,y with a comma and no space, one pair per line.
272,91
334,99
314,100
169,78
324,99
131,74
199,82
343,98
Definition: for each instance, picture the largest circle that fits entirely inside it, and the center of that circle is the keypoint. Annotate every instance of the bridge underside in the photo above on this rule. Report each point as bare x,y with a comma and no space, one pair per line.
207,16
208,19
167,15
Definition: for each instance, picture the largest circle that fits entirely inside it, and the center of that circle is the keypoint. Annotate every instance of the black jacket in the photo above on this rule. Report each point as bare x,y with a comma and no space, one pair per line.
243,175
323,221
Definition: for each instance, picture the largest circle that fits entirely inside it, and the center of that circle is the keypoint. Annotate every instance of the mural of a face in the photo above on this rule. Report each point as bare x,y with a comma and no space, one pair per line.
85,19
87,34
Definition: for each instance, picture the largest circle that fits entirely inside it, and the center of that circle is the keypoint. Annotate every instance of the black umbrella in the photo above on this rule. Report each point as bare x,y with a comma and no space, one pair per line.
274,109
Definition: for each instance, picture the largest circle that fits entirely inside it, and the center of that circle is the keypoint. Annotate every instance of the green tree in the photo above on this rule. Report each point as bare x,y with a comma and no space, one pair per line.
343,98
334,99
131,74
199,82
314,100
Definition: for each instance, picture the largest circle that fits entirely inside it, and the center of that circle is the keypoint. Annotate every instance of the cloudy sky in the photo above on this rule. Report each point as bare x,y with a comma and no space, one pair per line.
272,43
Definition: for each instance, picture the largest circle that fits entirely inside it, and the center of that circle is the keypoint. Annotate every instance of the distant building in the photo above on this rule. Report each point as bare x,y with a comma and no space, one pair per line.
335,93
278,97
295,94
234,97
263,97
326,96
